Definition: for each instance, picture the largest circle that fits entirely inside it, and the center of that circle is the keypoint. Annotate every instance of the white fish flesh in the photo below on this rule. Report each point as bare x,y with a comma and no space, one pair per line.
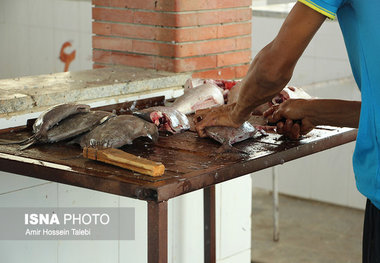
201,97
230,135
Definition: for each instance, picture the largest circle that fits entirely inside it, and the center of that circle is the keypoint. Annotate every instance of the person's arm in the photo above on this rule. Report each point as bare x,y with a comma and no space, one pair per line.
341,113
270,71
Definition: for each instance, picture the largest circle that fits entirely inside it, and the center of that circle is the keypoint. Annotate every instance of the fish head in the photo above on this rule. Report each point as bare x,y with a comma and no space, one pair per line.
83,108
143,114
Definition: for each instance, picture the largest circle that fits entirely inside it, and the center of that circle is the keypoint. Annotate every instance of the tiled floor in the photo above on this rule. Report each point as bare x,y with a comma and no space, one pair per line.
311,232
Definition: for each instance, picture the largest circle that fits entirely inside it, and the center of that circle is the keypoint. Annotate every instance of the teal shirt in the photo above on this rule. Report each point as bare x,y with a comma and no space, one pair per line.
360,25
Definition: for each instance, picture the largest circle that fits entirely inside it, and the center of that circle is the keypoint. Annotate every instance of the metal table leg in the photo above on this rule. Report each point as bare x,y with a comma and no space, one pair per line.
209,224
157,232
276,206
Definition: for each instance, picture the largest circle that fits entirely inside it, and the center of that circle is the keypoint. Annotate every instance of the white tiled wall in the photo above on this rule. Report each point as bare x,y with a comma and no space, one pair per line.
33,31
324,59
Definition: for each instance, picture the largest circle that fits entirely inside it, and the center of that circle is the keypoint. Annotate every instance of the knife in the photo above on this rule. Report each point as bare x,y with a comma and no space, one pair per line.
122,159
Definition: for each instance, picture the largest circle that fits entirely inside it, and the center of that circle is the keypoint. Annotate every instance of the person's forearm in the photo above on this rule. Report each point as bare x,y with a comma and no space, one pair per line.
273,67
263,81
339,113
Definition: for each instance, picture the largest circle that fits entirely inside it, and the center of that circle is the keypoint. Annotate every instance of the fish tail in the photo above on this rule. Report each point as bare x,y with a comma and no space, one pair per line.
32,140
9,142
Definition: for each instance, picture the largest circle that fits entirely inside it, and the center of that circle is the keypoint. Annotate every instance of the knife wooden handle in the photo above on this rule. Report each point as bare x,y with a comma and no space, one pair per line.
125,160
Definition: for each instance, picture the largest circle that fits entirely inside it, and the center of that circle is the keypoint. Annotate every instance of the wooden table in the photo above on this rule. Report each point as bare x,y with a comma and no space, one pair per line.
191,164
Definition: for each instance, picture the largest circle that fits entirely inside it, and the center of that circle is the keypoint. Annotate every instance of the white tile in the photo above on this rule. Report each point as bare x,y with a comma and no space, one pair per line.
2,13
40,50
340,89
264,30
38,196
329,69
85,19
41,13
4,51
293,180
330,46
60,37
16,11
262,179
72,196
329,172
186,227
303,73
67,15
235,205
18,50
135,250
85,51
10,182
28,251
330,28
242,257
98,251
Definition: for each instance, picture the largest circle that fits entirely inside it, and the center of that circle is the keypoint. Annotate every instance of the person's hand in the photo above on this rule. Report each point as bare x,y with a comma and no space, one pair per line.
217,116
291,118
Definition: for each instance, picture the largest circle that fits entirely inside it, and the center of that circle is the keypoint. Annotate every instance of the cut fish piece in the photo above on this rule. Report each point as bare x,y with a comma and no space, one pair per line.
165,118
201,97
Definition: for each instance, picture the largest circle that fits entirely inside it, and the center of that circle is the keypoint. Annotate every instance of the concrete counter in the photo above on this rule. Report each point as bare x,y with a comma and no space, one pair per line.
35,93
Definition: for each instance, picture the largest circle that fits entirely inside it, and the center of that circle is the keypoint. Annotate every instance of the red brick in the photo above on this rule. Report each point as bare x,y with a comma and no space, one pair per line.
111,43
234,30
196,63
186,5
154,18
115,15
241,71
153,48
101,56
233,58
173,5
95,66
101,28
166,64
140,4
219,73
194,34
170,34
243,43
207,47
134,60
235,15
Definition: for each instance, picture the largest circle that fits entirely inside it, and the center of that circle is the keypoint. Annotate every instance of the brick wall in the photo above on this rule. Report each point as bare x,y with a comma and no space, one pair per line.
210,38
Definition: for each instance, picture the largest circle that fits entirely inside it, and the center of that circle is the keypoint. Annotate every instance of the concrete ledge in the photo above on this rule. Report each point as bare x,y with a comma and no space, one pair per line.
30,94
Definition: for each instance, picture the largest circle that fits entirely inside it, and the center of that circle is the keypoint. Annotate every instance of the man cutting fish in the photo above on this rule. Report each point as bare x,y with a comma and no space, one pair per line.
272,69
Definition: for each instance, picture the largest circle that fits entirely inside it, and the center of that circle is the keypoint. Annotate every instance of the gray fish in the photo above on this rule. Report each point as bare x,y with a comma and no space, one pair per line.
47,120
52,116
165,118
119,131
202,97
228,136
77,124
72,126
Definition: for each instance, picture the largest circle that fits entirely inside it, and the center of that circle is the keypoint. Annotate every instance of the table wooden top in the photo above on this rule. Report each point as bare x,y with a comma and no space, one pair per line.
191,162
